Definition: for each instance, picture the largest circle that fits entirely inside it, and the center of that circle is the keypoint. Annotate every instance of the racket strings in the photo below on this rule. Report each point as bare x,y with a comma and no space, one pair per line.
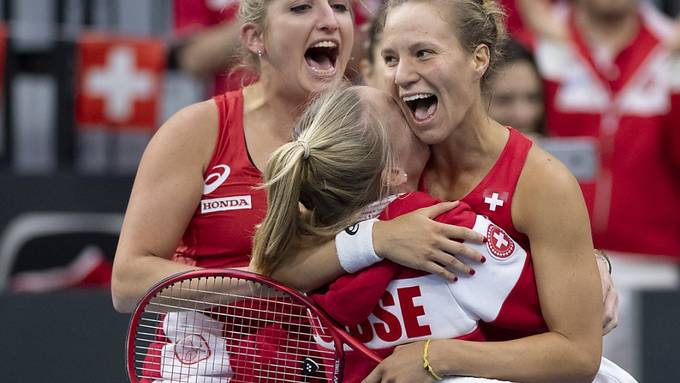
227,330
153,324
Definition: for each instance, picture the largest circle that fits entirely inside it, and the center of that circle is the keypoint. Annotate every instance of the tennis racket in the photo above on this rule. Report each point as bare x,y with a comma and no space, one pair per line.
219,326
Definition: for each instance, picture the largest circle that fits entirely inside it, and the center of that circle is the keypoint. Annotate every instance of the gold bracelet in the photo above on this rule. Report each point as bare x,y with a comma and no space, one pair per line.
600,253
426,362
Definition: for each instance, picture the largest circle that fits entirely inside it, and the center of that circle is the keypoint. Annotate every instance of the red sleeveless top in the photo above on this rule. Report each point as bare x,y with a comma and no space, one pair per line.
221,230
492,197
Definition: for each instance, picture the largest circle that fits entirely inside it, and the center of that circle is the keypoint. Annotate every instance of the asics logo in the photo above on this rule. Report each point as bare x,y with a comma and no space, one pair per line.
214,180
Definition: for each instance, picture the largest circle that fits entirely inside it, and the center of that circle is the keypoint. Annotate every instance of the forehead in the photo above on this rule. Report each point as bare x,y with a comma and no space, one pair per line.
405,24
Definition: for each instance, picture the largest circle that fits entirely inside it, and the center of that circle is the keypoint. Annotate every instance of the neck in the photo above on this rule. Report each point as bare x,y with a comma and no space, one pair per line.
469,142
274,109
466,156
613,32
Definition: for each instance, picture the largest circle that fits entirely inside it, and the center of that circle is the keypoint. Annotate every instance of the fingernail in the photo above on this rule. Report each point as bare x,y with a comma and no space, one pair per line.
472,271
484,240
483,259
455,279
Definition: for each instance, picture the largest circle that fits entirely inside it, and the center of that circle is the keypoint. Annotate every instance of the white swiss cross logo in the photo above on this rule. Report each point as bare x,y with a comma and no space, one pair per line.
494,201
192,349
120,83
499,243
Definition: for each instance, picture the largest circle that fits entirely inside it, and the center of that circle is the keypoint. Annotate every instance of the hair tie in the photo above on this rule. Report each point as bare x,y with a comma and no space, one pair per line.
305,146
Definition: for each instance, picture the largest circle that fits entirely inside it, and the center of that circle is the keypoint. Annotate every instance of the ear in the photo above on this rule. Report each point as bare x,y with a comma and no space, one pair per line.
251,38
397,177
481,58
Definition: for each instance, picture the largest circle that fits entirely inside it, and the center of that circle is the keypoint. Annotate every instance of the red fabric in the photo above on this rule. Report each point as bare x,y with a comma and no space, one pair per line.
639,158
98,81
222,237
514,19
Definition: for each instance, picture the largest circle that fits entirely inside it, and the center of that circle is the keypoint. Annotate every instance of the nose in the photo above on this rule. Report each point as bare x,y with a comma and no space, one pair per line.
404,74
327,20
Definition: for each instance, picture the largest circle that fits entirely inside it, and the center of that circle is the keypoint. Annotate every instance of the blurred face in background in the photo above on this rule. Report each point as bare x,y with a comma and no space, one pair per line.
373,70
372,65
516,93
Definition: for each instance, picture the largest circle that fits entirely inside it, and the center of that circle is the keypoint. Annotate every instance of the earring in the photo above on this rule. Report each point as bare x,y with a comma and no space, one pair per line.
259,53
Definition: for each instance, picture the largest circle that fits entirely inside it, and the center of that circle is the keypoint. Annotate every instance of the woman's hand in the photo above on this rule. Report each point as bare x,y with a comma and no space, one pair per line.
405,365
415,240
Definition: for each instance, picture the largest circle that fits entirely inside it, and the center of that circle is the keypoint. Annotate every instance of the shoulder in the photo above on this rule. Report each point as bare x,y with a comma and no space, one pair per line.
196,118
545,188
189,131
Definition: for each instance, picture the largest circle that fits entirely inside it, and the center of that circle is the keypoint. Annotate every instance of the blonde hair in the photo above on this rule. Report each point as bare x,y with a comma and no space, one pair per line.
477,22
251,11
333,168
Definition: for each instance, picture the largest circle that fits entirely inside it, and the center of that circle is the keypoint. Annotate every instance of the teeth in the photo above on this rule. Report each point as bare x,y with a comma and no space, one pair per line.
325,44
416,96
323,72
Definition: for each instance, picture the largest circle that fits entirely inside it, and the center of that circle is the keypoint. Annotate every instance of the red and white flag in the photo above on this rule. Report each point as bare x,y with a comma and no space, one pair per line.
119,81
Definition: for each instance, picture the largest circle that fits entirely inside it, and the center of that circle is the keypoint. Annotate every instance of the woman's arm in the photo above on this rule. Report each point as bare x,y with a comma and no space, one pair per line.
167,189
414,240
548,207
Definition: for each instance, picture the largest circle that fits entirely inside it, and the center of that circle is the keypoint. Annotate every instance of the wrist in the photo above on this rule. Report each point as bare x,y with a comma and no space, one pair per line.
354,246
427,361
378,238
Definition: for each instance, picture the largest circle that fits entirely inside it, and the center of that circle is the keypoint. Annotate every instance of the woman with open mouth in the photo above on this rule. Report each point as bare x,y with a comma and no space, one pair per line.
195,202
438,56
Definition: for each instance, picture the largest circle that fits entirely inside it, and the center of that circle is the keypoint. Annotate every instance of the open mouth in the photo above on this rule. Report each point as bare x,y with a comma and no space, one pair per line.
322,56
422,105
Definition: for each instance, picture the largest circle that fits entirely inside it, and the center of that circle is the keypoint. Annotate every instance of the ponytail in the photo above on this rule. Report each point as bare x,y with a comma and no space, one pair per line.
334,169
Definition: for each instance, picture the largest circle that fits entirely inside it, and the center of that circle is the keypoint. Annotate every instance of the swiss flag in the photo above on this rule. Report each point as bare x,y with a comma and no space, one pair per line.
119,81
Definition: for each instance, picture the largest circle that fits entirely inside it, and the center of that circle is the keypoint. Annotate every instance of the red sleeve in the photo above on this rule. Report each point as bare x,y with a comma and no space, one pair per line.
340,299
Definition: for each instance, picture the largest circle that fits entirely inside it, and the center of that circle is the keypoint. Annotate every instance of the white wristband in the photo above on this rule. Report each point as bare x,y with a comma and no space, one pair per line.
354,246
